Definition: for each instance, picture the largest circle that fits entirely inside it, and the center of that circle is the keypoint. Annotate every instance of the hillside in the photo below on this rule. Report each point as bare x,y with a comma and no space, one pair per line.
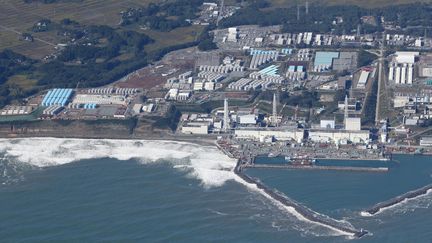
66,43
361,3
17,17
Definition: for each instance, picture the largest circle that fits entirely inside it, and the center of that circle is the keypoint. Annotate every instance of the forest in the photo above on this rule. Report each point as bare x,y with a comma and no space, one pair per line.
321,17
164,16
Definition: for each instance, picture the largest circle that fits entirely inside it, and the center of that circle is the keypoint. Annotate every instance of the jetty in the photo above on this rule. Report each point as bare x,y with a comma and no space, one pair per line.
317,167
302,210
406,196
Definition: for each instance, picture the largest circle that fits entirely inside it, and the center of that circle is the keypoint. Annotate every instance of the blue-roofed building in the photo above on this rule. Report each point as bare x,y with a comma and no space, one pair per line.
286,51
324,60
270,70
257,51
57,97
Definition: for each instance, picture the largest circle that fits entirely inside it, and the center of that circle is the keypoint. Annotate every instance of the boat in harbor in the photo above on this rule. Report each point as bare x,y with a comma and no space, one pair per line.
302,161
272,155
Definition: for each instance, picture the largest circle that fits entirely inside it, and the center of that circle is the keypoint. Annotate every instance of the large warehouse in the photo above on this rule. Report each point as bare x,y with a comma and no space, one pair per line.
338,136
279,133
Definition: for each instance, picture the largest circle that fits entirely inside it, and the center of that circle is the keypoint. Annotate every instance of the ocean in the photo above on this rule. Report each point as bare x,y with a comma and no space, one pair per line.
161,191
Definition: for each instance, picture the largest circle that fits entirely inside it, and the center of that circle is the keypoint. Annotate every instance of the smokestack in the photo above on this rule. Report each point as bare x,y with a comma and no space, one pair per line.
358,30
346,110
220,12
298,12
307,7
274,110
226,119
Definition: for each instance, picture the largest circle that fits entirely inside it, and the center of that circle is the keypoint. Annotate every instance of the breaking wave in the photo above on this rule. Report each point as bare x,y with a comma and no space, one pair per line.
205,163
404,206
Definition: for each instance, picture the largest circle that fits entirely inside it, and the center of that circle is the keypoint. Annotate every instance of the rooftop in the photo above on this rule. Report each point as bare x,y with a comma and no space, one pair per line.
325,58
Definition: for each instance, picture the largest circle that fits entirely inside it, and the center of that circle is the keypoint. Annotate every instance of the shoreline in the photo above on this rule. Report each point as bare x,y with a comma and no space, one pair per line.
201,141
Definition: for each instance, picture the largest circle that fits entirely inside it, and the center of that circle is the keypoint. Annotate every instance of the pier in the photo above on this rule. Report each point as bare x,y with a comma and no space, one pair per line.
317,167
409,195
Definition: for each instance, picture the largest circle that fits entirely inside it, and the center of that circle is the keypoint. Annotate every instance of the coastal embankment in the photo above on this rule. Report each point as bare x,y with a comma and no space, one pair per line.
397,200
317,167
97,129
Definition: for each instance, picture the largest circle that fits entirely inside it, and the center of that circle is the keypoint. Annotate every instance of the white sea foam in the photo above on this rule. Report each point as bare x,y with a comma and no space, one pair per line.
293,211
365,214
405,205
205,163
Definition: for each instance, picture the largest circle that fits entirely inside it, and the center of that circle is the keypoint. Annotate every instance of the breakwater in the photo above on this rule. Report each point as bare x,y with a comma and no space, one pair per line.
318,167
399,199
302,210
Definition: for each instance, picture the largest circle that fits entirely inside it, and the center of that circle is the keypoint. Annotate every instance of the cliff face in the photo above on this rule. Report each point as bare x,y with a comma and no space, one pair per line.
131,128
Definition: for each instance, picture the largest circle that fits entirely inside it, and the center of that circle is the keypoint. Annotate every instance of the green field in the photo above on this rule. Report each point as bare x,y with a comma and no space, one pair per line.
176,36
361,3
22,81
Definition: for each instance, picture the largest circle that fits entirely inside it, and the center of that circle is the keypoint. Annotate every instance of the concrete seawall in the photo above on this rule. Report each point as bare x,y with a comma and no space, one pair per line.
302,210
406,196
318,167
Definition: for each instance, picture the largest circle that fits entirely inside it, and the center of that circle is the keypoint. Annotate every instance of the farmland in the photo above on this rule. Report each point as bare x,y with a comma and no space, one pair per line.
17,17
360,3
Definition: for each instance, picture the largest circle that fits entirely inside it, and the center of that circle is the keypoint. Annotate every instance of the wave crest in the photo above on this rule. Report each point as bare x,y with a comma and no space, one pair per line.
206,163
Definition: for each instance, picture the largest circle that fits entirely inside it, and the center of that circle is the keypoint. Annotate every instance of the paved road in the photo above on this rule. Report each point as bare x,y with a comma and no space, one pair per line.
380,69
20,33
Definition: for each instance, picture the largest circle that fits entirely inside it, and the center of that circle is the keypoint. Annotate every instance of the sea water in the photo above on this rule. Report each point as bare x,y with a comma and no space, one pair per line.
159,191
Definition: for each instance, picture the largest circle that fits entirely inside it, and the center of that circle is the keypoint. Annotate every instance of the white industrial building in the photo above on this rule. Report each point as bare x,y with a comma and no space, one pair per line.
426,71
353,124
328,134
179,95
401,73
172,94
137,108
338,136
401,99
280,133
406,56
401,70
183,95
99,99
148,108
247,119
16,110
364,76
426,141
232,34
196,128
327,124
